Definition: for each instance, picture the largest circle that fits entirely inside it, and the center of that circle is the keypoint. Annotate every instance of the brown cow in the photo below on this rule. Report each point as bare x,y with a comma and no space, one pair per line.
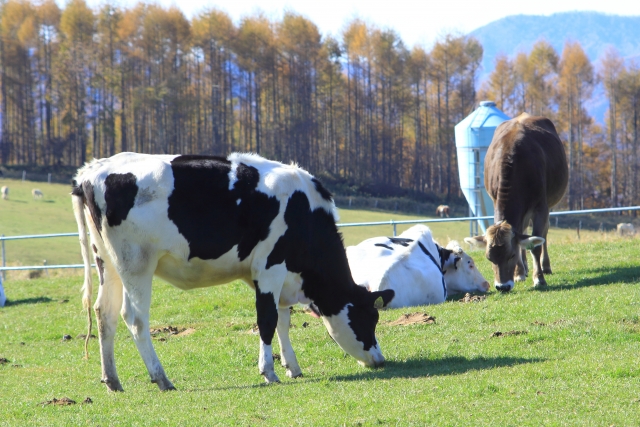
442,210
525,174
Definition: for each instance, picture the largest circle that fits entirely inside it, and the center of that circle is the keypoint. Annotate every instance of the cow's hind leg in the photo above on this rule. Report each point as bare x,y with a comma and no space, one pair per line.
540,228
288,357
135,312
106,308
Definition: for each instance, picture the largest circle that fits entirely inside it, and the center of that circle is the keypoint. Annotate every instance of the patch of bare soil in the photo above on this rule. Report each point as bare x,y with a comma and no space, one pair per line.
65,401
413,319
505,334
186,332
254,329
473,298
171,330
3,360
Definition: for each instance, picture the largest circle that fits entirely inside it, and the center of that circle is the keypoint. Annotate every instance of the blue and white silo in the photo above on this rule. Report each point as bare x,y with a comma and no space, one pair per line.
473,137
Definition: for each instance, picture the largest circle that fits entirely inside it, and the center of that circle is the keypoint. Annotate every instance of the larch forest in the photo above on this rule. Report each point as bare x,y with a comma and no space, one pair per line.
78,83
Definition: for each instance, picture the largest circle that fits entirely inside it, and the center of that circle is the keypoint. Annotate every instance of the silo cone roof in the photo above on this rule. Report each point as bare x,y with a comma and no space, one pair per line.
486,116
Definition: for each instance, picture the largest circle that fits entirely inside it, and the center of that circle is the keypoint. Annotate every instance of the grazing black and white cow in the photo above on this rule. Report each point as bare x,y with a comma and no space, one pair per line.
200,221
415,267
526,174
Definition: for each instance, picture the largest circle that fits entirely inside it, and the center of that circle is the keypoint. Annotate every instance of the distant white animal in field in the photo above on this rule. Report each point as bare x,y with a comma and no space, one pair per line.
415,267
36,193
625,229
5,192
442,211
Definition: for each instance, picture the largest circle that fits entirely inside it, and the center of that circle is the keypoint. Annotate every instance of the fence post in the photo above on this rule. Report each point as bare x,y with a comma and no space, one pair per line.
49,178
4,260
395,232
24,175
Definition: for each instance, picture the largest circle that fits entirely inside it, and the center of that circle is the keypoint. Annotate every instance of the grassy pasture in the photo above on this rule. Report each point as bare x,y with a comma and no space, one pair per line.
22,215
568,354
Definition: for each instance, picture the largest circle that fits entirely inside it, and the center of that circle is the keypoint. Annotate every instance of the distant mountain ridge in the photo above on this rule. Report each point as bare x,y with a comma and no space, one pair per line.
593,30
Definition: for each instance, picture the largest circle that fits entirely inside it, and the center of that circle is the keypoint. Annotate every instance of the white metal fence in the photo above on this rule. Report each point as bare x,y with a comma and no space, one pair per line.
391,222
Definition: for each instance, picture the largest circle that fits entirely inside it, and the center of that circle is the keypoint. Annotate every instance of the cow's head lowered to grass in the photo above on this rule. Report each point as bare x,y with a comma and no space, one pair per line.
503,247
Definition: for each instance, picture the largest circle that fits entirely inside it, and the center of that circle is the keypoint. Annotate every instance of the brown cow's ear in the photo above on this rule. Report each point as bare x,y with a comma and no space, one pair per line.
477,241
529,243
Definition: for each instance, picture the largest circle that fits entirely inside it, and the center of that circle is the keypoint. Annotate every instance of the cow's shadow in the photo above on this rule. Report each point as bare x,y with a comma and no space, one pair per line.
421,367
410,368
603,276
36,300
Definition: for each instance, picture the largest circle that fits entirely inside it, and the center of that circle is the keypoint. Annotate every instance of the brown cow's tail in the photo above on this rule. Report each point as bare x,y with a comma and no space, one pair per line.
78,200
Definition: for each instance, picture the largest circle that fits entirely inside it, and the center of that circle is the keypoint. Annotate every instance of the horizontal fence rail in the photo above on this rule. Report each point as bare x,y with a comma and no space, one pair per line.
391,222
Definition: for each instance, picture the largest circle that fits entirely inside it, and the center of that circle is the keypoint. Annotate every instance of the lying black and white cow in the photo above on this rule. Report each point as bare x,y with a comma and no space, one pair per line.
415,267
202,221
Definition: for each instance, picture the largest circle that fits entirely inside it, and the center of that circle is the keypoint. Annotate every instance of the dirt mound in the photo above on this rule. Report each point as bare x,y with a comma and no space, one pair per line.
172,330
473,298
65,401
506,334
413,319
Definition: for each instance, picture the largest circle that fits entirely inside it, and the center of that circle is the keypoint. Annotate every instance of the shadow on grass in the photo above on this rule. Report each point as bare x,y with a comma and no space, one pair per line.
417,368
36,300
603,276
411,368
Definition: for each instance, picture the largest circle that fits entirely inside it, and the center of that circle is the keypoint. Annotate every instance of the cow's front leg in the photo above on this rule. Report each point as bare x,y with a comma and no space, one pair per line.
267,313
106,308
539,253
287,355
520,274
135,312
546,262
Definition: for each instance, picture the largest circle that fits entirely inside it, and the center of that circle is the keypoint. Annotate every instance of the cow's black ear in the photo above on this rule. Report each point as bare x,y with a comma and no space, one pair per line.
382,298
455,262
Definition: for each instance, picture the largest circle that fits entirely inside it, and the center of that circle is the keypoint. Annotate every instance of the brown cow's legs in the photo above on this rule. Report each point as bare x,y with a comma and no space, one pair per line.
540,228
522,269
546,263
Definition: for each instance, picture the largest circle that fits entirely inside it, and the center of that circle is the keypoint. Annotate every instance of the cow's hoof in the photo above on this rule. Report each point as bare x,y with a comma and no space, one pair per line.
112,385
539,282
291,374
164,384
270,377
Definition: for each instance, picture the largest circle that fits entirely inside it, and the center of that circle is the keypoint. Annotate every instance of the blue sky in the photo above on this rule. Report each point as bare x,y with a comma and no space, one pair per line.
417,21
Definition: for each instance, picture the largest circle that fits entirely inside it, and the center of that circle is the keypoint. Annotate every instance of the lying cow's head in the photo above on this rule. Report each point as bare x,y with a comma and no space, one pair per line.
463,275
503,246
354,327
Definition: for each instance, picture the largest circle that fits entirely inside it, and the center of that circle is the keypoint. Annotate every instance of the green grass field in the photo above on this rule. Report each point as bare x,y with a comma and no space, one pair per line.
22,215
568,355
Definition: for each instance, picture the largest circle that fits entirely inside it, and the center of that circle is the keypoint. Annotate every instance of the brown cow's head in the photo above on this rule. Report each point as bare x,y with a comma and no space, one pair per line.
503,247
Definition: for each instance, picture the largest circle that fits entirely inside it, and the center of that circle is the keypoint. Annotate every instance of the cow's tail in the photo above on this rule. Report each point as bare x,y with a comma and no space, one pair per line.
78,200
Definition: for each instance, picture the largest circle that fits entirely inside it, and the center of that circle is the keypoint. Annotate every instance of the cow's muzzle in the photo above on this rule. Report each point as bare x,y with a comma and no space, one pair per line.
504,287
